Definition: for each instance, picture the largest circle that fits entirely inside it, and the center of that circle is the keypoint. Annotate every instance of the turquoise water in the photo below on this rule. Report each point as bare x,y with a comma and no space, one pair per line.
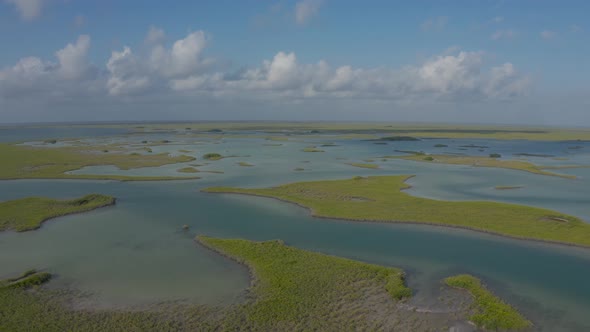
135,252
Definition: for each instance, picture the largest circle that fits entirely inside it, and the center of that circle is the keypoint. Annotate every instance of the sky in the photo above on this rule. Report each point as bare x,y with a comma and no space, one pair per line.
471,61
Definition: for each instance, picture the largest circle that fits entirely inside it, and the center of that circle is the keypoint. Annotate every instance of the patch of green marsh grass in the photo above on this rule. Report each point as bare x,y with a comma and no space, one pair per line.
212,156
293,285
26,214
311,149
380,198
188,169
491,161
23,162
26,280
363,165
293,290
491,312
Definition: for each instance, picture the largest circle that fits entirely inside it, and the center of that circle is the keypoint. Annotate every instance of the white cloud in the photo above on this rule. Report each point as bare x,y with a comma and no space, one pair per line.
548,34
455,76
72,58
71,75
28,9
183,69
306,9
183,59
503,34
174,67
435,24
127,75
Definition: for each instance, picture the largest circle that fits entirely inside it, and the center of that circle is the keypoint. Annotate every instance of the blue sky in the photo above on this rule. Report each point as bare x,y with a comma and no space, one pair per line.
452,61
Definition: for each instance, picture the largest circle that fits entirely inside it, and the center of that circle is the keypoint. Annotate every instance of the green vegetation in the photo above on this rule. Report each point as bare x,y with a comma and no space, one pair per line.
212,156
312,149
50,141
507,187
474,146
23,162
292,290
360,130
277,138
245,164
495,155
417,153
491,312
299,169
379,198
189,169
429,158
486,162
26,214
398,138
540,155
26,280
361,165
294,286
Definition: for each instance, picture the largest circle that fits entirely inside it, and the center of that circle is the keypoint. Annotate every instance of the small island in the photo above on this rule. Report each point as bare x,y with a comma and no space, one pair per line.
29,213
507,187
364,165
492,161
381,198
491,312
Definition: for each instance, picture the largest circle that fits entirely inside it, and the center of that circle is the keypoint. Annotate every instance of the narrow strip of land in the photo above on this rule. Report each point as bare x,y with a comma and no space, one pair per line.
24,162
491,312
29,213
380,198
476,161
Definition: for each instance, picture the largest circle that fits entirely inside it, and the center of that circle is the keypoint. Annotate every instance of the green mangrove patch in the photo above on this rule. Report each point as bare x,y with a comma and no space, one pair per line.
380,198
29,213
293,286
491,161
24,162
491,313
364,165
292,290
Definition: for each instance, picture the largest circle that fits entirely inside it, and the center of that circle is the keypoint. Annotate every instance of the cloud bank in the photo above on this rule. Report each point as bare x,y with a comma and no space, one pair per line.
182,68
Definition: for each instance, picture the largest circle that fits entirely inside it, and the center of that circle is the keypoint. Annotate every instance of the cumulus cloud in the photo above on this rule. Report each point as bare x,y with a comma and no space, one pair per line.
129,73
183,68
70,75
28,9
435,24
456,76
306,9
72,59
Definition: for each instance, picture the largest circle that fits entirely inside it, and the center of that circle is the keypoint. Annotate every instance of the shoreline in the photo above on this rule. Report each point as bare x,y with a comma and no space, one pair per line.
139,179
43,221
409,222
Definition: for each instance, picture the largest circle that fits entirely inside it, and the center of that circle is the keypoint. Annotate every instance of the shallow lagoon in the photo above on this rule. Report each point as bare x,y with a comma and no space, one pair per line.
135,252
